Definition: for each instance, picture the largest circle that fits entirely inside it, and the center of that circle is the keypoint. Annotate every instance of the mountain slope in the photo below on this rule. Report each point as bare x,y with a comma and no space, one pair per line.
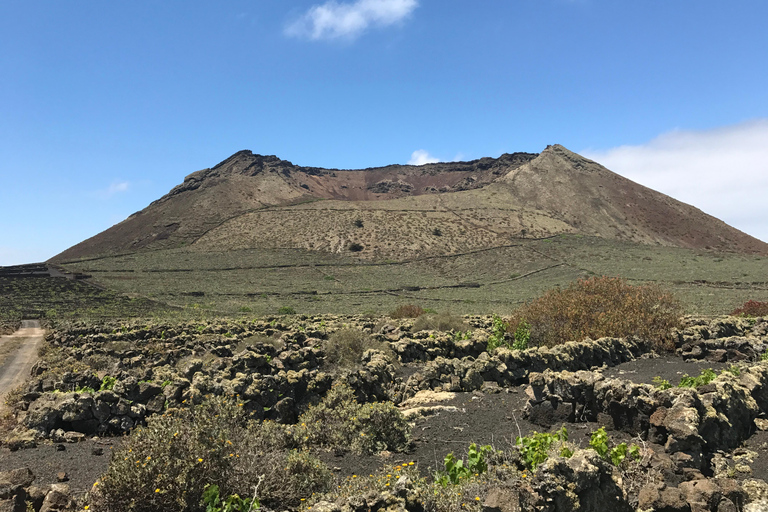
401,212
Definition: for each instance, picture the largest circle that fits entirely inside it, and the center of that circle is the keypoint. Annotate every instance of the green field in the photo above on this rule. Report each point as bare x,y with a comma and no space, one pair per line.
260,282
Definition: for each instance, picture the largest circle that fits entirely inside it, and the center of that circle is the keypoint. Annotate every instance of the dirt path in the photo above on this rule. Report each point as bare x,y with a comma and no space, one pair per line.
15,367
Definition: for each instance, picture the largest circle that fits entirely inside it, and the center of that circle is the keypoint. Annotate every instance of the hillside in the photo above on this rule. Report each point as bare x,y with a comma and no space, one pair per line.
255,234
400,212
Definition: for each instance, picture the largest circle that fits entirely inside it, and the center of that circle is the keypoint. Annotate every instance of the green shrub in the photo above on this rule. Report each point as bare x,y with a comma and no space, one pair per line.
234,503
706,376
439,322
522,336
497,338
107,383
407,311
751,309
599,307
456,470
661,383
600,442
535,449
286,310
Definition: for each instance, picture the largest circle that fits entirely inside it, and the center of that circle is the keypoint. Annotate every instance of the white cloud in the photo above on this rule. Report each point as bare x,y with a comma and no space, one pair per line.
117,187
421,157
334,20
723,171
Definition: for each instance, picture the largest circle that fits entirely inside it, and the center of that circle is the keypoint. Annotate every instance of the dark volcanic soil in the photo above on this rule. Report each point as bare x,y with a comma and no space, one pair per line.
78,460
493,417
668,367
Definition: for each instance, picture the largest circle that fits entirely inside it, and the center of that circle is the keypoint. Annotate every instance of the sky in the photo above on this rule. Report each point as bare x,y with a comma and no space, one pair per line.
105,106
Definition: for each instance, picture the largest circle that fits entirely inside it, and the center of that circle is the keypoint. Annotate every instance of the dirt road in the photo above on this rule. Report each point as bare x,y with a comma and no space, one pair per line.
15,367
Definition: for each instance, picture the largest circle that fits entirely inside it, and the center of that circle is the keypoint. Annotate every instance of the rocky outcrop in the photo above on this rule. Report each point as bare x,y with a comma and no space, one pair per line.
16,491
512,367
690,423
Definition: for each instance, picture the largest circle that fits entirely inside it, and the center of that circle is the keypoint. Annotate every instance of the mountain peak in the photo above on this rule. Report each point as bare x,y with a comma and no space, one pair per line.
250,200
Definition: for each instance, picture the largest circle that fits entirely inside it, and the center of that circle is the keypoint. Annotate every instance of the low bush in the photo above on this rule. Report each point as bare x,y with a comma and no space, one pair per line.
440,322
340,423
407,311
751,309
537,447
233,503
599,307
286,310
168,464
456,469
707,375
500,338
617,454
345,348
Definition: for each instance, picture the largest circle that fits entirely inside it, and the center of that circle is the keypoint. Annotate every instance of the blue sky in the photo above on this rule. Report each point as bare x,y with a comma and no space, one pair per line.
105,106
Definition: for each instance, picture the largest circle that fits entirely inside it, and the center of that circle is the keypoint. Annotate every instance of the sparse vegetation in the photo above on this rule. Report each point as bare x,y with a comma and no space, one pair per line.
601,443
211,444
440,322
456,470
497,338
198,455
345,348
705,377
661,383
537,447
598,307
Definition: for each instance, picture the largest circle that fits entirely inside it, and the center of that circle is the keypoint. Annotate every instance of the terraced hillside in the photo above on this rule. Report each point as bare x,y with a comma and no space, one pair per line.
261,281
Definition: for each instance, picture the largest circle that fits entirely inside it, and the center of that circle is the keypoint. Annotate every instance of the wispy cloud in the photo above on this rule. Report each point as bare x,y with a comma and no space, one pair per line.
117,187
334,20
723,172
421,157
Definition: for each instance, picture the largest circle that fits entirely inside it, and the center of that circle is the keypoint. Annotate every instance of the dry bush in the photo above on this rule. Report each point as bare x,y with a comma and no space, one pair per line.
751,308
275,341
599,307
407,311
340,423
167,464
440,322
345,348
